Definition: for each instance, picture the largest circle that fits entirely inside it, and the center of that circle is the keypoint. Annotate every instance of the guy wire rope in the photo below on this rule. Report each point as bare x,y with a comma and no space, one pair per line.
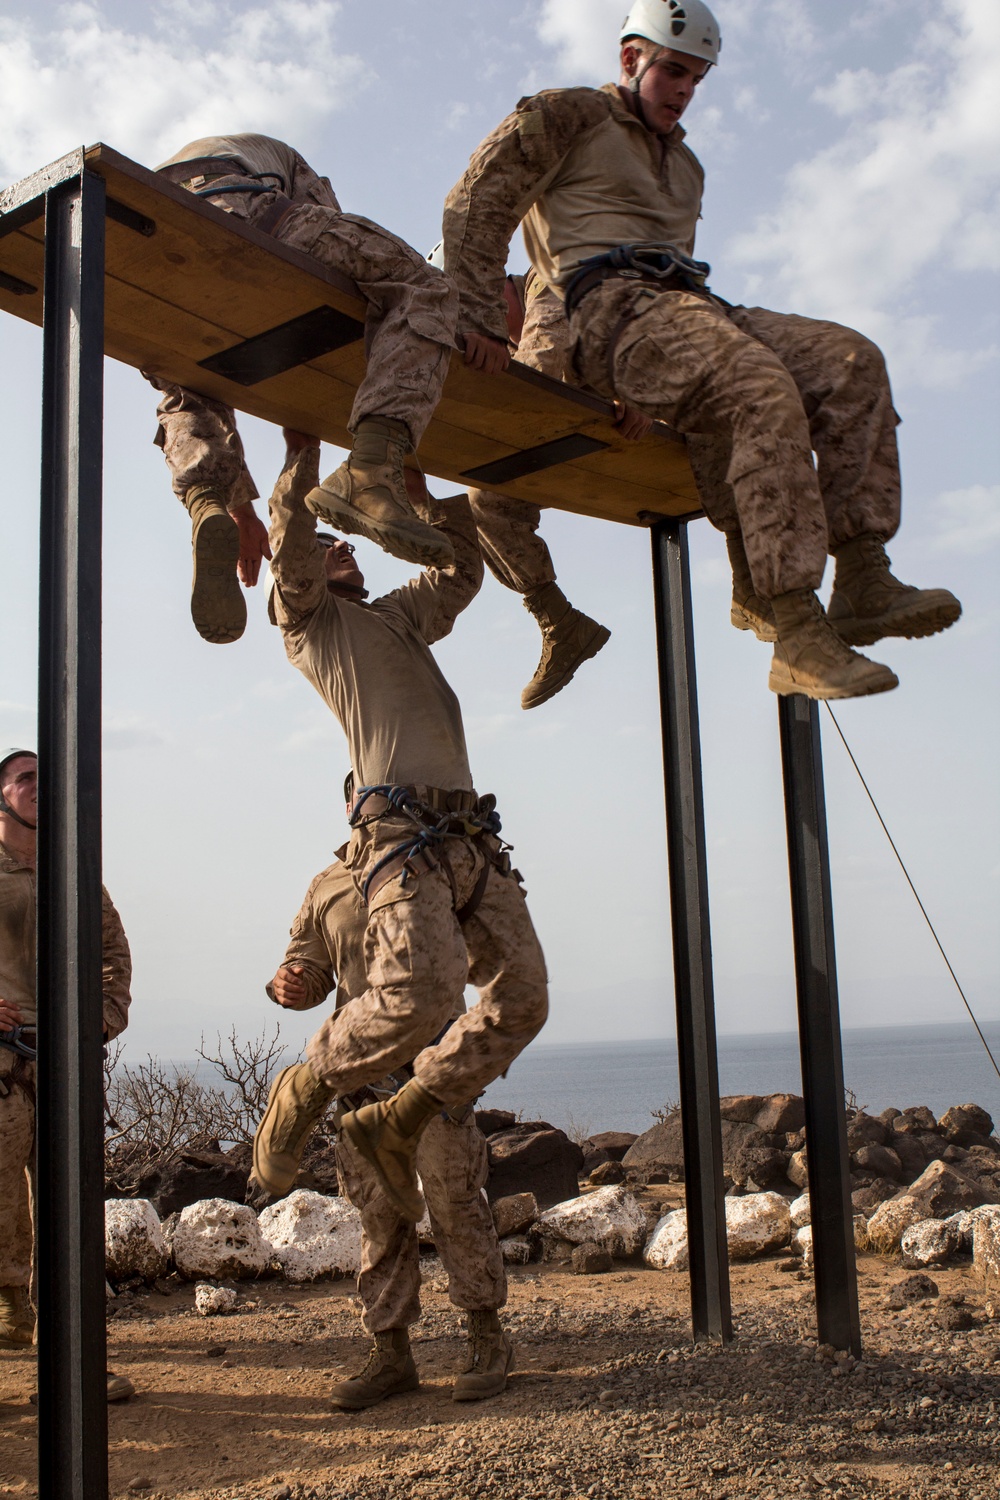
913,888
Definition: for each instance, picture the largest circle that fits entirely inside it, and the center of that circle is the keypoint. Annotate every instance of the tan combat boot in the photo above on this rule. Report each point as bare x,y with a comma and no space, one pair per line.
120,1388
218,608
749,611
569,638
17,1321
490,1359
868,603
387,1134
390,1371
810,657
367,496
295,1107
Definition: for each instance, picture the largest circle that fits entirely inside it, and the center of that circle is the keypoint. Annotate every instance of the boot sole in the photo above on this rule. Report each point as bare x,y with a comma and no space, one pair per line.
339,1403
218,608
276,1186
419,544
739,618
864,688
911,624
597,642
6,1343
362,1142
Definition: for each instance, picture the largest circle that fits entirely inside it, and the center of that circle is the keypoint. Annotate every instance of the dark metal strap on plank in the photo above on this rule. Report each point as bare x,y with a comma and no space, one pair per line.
532,460
689,919
72,1403
836,1280
282,348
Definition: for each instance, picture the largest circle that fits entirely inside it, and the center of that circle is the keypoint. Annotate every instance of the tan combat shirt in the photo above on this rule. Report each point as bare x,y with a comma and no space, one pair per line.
371,662
584,174
263,157
17,948
328,936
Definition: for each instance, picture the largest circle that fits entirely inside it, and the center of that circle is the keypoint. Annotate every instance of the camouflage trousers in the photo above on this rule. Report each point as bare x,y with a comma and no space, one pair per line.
409,336
17,1167
418,961
452,1163
755,393
508,528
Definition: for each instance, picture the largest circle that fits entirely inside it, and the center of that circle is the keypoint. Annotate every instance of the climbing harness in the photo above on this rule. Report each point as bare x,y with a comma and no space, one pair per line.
12,1039
217,171
437,816
659,265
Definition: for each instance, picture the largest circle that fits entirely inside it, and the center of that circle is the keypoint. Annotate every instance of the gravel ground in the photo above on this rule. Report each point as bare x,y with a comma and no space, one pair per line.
610,1399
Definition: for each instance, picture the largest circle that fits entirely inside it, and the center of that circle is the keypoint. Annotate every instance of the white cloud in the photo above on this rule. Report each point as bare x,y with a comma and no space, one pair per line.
911,187
179,71
968,520
131,731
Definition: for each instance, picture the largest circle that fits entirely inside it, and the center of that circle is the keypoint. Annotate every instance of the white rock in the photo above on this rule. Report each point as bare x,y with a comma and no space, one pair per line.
218,1239
757,1223
800,1210
133,1240
610,1217
986,1250
966,1219
930,1242
213,1301
516,1250
667,1246
802,1240
311,1235
890,1221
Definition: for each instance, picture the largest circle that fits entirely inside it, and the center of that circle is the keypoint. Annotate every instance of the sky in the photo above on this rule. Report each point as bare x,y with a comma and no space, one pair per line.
851,157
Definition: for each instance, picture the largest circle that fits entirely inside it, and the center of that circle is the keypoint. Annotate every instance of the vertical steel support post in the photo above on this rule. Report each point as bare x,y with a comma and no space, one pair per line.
72,1351
696,1044
837,1315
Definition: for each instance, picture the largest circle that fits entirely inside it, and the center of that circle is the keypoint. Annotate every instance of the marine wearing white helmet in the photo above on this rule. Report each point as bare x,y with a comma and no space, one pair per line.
682,25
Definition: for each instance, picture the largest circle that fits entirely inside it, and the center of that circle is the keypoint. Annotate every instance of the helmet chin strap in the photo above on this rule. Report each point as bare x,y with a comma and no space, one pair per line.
634,84
9,812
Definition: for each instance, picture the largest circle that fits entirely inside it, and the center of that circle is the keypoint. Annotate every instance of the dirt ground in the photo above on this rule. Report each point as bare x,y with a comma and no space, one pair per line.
610,1399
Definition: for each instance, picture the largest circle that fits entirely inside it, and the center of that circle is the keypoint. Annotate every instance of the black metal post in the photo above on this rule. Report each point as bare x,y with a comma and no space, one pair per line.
837,1315
72,1351
696,1044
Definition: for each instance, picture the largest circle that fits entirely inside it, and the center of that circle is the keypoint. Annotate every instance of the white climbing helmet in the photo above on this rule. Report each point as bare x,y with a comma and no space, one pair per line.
436,256
682,25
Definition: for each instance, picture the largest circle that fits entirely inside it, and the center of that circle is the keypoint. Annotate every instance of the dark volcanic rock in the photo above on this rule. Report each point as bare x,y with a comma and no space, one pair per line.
780,1113
912,1156
912,1289
965,1120
763,1165
515,1214
490,1121
865,1130
740,1108
534,1158
614,1143
942,1190
882,1161
915,1119
590,1260
191,1175
867,1199
608,1171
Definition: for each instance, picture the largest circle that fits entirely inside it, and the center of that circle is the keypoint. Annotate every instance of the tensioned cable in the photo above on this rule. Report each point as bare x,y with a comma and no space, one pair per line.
913,888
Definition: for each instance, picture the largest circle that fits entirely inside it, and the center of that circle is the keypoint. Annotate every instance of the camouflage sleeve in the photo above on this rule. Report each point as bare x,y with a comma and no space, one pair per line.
116,968
308,187
434,600
511,168
296,558
307,948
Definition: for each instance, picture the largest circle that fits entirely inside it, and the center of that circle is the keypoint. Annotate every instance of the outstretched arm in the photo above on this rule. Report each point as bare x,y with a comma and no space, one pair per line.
434,600
511,168
296,558
306,976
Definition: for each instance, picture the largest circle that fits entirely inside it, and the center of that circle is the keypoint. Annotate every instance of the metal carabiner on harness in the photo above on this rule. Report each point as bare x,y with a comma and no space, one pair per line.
12,1039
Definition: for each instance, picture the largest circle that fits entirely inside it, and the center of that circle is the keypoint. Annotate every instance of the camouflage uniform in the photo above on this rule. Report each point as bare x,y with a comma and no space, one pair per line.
17,1076
409,329
327,943
753,391
372,665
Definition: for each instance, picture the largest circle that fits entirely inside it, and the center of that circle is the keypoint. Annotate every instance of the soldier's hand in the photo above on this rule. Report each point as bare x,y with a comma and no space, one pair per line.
486,354
10,1015
254,545
288,986
631,424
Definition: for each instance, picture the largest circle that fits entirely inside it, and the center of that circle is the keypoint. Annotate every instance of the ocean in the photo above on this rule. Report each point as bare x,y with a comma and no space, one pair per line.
616,1085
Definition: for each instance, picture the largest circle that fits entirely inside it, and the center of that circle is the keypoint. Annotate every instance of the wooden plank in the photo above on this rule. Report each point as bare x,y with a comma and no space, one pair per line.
203,282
